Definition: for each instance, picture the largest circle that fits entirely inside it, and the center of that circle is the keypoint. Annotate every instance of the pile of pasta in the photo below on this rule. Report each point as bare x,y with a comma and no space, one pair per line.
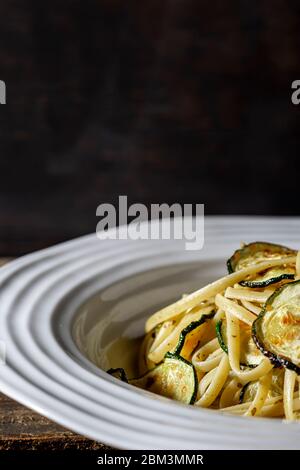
233,345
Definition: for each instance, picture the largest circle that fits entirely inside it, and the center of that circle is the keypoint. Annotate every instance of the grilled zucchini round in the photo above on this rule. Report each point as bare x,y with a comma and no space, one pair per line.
276,331
257,252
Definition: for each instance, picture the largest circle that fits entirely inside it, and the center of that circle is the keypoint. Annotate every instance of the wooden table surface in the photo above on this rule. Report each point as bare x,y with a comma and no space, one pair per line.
23,429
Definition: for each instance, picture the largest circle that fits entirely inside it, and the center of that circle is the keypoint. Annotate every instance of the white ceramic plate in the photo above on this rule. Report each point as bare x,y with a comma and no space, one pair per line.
64,310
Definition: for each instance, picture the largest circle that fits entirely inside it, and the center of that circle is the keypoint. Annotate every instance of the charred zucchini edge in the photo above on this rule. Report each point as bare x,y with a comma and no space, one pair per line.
189,328
276,359
268,282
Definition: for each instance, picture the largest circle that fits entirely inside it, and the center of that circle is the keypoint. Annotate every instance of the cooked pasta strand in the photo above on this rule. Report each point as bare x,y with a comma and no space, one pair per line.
272,407
288,393
204,351
233,333
248,294
209,363
219,315
211,290
260,396
164,331
237,310
206,381
229,393
216,384
251,307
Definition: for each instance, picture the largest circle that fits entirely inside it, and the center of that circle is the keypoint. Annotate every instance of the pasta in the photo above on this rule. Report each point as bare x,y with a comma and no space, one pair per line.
236,341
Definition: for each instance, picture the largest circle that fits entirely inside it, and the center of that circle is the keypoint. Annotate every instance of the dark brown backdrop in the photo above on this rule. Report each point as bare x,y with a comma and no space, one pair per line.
165,101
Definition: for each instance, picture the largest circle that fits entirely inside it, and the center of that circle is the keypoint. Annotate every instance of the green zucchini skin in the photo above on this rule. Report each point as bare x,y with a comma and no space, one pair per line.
243,391
219,334
272,280
277,359
256,247
188,329
118,373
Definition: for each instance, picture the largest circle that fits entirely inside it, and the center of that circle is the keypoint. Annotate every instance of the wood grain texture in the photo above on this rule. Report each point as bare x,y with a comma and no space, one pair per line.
23,429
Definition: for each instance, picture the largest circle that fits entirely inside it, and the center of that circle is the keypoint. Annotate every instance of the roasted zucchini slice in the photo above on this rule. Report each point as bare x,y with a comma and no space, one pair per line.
276,331
118,373
250,354
257,252
191,335
174,378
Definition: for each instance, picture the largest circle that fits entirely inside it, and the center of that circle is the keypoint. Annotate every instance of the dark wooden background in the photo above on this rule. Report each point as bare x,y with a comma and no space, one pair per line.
165,101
